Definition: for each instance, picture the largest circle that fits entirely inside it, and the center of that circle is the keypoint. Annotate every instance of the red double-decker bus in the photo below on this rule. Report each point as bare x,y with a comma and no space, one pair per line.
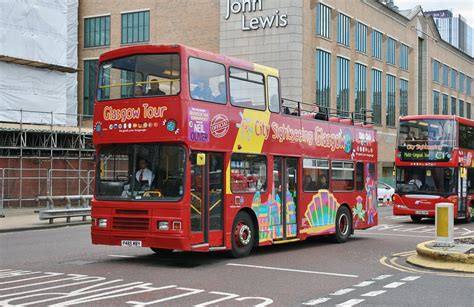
197,152
434,163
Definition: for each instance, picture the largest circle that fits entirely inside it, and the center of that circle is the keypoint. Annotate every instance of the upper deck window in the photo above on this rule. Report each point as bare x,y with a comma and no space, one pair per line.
273,94
207,81
247,89
139,76
426,139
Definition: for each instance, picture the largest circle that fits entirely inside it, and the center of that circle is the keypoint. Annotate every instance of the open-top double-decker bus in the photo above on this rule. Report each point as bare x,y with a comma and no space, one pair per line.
197,152
434,164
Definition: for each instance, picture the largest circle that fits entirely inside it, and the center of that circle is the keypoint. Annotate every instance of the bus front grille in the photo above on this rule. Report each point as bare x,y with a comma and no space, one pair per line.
131,223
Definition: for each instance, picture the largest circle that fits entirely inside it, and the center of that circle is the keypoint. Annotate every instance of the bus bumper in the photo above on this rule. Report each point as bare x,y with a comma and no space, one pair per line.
100,237
404,210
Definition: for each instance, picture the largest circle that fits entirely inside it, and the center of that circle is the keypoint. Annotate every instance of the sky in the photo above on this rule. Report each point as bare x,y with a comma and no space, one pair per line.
463,7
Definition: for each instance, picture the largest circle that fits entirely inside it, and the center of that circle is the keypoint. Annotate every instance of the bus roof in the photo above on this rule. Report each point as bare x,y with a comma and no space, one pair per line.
432,116
183,49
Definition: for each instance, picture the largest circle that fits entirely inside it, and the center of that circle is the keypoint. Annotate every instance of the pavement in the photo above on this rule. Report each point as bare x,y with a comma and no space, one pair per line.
61,267
458,258
28,219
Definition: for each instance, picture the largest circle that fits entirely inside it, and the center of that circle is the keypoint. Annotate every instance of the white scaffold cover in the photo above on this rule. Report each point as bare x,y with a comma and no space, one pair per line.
43,31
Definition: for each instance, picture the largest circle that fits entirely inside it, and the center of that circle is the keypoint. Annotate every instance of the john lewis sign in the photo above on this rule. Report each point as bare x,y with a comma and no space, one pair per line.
277,20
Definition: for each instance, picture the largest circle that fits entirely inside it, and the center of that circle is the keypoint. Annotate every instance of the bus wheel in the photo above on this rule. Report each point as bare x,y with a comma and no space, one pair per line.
343,225
416,218
161,251
243,236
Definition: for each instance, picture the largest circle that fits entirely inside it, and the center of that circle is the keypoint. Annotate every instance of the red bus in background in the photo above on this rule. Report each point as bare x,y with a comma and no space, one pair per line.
197,152
434,163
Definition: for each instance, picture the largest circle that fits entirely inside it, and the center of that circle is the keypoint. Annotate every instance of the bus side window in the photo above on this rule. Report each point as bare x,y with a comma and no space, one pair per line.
342,175
274,94
359,176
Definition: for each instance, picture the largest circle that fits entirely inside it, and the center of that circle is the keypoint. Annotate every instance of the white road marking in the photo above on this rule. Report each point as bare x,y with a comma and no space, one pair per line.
290,270
121,256
342,291
351,302
392,235
410,278
191,292
266,301
365,283
380,277
48,274
394,285
317,301
227,296
374,293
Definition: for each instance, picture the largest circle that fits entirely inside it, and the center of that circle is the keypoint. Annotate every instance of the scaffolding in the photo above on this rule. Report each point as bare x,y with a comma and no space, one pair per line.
44,159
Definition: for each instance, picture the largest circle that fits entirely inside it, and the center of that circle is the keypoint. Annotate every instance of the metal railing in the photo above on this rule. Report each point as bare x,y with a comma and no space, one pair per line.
18,186
299,108
22,116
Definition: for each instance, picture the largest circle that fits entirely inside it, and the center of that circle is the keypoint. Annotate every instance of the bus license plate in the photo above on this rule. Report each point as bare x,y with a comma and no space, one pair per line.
421,212
131,243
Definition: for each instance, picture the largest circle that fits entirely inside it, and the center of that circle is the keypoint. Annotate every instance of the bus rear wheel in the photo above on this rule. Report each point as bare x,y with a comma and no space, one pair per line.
243,235
343,225
161,251
416,218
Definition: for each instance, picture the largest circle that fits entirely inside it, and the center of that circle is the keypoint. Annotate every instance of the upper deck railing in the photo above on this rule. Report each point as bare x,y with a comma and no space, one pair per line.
312,110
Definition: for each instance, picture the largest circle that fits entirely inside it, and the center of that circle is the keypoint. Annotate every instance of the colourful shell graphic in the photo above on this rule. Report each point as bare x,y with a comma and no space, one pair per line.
321,211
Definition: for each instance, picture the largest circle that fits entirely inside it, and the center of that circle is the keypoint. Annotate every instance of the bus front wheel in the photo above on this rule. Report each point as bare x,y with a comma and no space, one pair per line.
343,225
243,235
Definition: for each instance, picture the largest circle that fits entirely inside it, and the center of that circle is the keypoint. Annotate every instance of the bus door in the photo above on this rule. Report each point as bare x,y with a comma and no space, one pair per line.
285,179
462,192
207,198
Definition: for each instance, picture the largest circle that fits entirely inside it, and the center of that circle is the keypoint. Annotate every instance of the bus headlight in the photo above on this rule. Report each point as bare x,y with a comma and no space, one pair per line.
163,225
102,223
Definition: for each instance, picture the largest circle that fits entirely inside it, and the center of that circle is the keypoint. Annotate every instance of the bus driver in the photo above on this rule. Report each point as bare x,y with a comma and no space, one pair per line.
144,175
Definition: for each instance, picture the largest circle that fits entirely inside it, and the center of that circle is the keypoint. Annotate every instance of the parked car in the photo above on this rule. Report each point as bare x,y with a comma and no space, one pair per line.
384,192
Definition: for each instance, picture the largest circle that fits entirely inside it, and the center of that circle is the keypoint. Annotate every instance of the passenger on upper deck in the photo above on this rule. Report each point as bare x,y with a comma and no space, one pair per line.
139,91
155,88
202,91
221,98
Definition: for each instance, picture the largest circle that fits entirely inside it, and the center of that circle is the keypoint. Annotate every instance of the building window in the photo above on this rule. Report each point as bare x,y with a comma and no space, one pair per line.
377,44
453,106
97,31
135,27
90,71
435,70
435,102
248,173
445,75
323,20
390,111
461,108
404,49
361,90
403,97
468,86
445,104
343,29
461,82
391,48
323,78
377,95
361,37
468,110
454,77
342,87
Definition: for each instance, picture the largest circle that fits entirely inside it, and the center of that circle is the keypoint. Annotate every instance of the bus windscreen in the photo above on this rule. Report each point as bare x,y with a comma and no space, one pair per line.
426,180
426,140
139,76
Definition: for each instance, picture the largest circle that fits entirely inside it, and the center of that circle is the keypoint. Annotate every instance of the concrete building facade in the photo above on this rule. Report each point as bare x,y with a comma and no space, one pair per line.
346,55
